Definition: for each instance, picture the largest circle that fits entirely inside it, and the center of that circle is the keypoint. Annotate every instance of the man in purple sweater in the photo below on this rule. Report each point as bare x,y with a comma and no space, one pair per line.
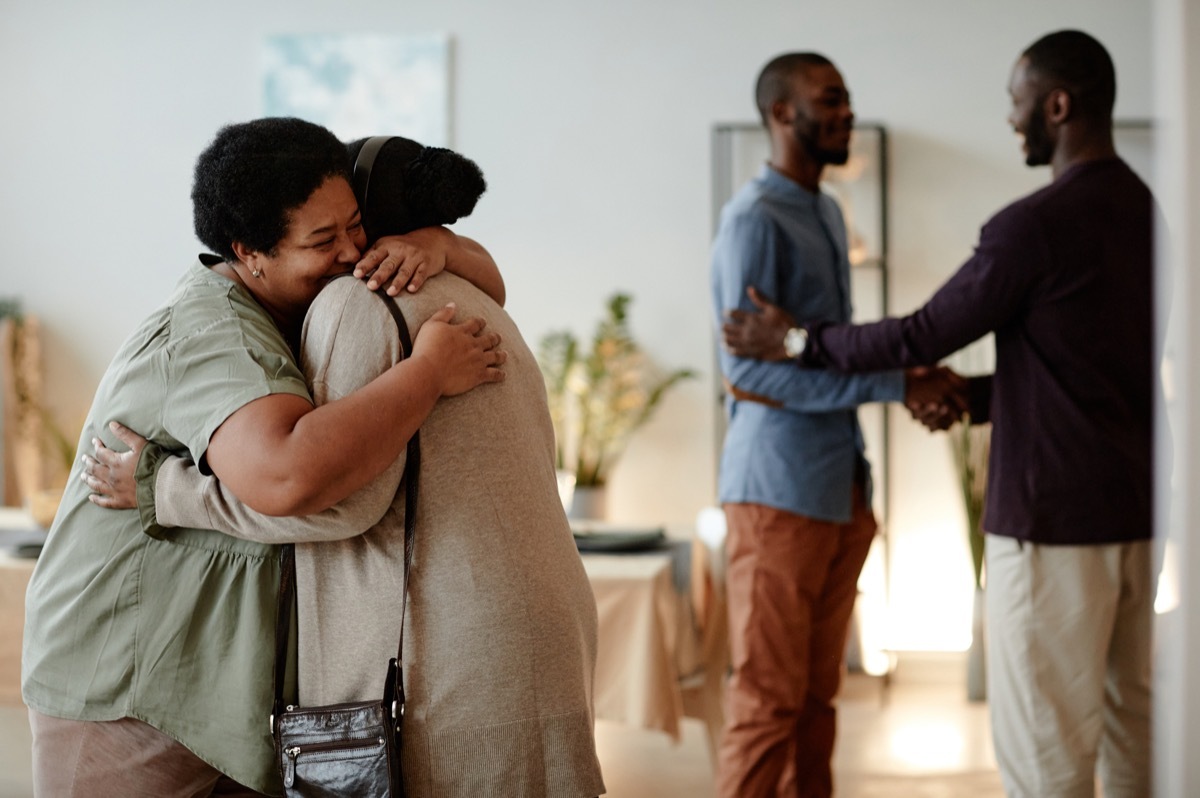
1064,279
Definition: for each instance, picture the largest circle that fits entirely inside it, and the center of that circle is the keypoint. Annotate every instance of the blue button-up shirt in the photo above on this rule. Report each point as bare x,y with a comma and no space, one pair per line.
801,455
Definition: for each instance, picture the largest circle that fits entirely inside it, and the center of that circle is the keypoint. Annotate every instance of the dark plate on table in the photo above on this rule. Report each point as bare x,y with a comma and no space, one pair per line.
25,543
598,538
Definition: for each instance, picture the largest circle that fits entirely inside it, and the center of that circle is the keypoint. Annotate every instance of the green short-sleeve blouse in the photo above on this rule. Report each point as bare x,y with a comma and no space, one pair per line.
177,632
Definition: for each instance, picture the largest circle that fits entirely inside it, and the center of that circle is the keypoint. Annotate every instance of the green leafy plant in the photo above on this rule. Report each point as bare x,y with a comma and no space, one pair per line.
970,444
598,398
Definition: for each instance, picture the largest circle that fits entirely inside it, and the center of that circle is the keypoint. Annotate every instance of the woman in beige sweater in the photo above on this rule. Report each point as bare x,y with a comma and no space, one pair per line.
500,640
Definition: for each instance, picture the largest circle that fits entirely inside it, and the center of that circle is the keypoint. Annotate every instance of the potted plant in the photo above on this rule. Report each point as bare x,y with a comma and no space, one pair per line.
42,453
971,444
597,399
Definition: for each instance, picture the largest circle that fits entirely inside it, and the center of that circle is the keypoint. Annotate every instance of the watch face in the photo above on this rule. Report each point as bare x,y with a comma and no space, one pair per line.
794,341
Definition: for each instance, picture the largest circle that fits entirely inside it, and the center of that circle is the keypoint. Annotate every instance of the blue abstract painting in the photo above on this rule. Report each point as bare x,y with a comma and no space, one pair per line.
362,85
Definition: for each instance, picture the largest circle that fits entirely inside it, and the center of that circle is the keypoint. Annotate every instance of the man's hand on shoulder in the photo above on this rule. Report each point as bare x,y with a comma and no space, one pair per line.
757,335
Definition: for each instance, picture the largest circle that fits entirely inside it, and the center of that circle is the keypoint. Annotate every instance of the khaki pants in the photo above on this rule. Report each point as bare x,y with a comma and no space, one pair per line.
1069,667
119,759
791,583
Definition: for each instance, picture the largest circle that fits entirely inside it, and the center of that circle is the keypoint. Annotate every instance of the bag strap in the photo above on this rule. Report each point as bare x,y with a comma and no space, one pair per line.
394,683
283,622
363,165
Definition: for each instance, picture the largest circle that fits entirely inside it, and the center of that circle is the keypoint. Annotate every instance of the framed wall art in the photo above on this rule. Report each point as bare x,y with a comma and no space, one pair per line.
362,85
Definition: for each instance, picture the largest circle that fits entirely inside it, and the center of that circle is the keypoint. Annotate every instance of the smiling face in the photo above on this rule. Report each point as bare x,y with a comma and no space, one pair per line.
822,118
324,238
1028,115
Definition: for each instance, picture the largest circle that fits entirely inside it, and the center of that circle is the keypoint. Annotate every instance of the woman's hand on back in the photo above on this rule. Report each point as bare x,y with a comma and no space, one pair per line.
109,474
405,261
463,353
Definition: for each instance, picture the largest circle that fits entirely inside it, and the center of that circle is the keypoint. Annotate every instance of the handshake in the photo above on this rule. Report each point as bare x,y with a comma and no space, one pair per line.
935,395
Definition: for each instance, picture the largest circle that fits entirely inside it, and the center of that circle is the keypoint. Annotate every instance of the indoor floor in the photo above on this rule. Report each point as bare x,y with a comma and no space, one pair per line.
916,737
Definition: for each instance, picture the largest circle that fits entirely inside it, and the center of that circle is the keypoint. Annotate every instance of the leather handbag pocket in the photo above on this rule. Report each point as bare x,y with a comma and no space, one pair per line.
338,750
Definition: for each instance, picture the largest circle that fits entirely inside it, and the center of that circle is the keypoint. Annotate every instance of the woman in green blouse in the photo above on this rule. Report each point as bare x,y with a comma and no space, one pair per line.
142,654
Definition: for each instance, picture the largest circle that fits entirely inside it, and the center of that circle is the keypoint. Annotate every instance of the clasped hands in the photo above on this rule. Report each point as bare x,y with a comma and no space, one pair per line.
936,396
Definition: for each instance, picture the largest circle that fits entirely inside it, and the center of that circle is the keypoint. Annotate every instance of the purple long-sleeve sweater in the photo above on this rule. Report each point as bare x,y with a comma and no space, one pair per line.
1064,278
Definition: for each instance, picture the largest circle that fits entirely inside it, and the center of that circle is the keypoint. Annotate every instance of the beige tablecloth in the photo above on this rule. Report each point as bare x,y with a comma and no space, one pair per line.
648,640
14,578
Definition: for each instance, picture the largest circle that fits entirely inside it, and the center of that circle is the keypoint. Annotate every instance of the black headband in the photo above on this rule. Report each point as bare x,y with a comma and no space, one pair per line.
363,165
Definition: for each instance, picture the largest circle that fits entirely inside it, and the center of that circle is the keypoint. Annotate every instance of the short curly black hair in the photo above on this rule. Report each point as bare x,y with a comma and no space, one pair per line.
254,174
774,82
414,186
1077,62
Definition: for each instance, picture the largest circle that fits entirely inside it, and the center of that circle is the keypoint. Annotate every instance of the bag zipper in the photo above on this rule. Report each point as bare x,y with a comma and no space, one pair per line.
293,753
298,710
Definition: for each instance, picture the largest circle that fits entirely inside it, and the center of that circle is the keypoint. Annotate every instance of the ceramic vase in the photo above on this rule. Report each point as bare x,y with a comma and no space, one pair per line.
977,653
589,501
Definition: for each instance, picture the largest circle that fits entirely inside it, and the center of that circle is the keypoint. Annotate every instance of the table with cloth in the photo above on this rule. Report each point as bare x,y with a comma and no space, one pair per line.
19,536
662,652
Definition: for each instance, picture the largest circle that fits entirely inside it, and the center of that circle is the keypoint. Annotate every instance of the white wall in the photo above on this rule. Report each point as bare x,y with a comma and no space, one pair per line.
1177,698
592,123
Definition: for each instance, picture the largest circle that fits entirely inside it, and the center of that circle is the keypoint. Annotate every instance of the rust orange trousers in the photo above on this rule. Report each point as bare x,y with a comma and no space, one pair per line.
791,583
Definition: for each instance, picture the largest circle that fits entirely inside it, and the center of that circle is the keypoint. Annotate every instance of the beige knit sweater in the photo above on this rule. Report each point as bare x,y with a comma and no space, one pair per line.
500,638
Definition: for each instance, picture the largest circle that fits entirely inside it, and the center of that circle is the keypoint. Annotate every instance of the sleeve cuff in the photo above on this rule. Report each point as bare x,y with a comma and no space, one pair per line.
813,355
979,399
146,476
895,385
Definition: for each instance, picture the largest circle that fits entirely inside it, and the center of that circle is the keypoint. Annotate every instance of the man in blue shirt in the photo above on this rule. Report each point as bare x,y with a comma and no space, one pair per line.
793,479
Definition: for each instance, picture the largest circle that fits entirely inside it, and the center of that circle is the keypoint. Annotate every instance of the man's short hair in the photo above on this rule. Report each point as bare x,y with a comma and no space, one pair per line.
1074,61
254,174
775,80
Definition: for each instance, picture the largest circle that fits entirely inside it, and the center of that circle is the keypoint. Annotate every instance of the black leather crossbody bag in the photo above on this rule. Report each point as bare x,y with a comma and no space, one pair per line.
350,749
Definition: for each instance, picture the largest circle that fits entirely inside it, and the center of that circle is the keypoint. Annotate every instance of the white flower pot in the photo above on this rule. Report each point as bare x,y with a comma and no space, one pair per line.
977,653
590,501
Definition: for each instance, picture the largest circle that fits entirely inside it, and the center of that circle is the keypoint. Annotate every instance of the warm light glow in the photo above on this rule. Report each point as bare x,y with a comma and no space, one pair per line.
1167,597
929,745
871,609
877,662
929,603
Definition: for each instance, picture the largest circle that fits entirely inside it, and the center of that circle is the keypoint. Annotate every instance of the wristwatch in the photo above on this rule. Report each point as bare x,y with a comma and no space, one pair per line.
795,341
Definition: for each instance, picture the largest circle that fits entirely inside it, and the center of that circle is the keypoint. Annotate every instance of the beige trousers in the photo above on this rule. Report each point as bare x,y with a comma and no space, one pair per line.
1069,667
119,759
